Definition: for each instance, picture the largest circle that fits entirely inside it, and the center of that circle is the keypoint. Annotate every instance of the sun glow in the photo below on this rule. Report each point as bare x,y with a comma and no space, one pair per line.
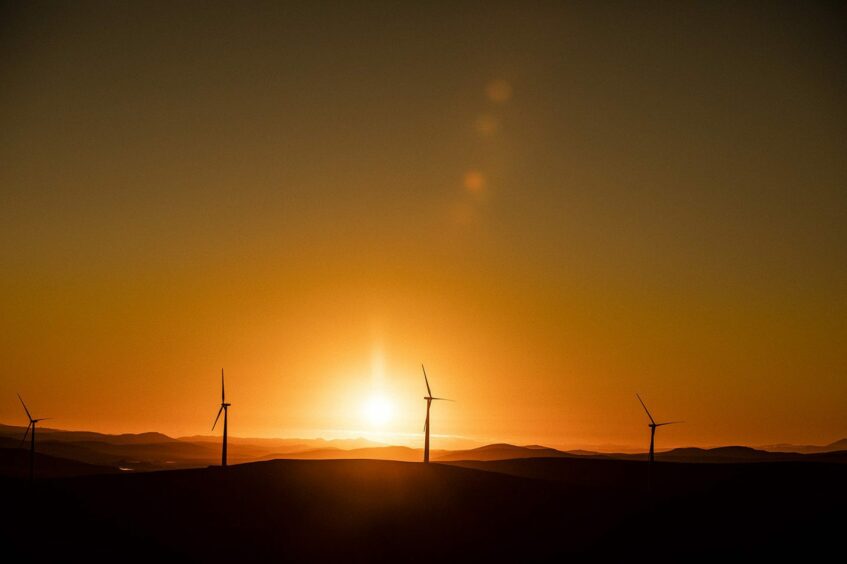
378,410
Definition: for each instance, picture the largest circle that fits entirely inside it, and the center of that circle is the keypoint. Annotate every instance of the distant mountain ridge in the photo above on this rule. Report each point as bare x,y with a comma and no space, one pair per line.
62,435
155,451
804,449
288,444
501,451
395,453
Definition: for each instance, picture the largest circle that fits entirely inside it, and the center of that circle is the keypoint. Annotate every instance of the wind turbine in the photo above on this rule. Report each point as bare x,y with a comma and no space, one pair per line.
429,399
224,408
653,425
31,425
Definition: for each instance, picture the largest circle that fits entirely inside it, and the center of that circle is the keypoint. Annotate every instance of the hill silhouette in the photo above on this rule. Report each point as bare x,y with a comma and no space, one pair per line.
156,451
14,463
356,510
839,445
501,451
48,433
736,454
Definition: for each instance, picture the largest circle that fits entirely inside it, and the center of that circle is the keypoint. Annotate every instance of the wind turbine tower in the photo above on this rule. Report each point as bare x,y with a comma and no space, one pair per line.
224,408
429,399
30,426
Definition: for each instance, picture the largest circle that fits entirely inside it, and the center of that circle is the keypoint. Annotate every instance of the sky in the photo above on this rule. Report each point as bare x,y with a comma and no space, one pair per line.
553,206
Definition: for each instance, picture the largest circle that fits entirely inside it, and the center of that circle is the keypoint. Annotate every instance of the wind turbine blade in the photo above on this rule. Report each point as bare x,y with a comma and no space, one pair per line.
645,409
223,400
27,411
443,399
425,423
218,417
668,423
25,435
428,391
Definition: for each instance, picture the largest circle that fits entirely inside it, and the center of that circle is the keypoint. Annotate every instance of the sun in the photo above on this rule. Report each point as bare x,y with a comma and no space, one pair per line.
378,410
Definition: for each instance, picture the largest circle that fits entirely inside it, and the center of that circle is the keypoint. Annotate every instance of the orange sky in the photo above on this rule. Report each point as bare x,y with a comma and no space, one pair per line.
552,208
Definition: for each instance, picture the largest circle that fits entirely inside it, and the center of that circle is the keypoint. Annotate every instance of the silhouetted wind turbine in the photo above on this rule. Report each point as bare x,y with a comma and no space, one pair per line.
224,408
31,425
429,399
653,426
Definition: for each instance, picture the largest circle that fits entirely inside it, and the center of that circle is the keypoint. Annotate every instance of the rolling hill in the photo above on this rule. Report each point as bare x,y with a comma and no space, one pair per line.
384,511
501,451
840,445
14,463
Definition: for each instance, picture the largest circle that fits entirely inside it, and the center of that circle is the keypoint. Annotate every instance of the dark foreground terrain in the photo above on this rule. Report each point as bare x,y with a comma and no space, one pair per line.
367,510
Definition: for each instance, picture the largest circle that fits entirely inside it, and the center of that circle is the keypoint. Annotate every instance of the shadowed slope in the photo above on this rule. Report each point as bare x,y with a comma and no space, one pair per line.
314,510
354,510
14,463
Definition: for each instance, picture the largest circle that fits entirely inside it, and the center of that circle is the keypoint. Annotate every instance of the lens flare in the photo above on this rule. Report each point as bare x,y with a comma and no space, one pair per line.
498,91
474,181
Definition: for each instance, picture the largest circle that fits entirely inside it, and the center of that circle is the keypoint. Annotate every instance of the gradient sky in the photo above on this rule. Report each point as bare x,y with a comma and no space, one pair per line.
552,206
